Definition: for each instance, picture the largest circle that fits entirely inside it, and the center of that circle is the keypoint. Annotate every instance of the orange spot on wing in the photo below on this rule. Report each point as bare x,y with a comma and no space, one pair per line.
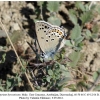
60,33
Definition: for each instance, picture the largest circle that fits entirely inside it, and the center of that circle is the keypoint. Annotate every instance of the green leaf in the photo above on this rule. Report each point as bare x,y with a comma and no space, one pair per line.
1,88
54,20
3,57
62,67
72,87
78,40
97,88
50,72
78,48
88,34
74,56
95,28
73,18
76,32
95,75
19,79
94,36
86,17
98,9
66,73
79,5
9,82
99,70
86,7
48,78
53,6
68,43
63,81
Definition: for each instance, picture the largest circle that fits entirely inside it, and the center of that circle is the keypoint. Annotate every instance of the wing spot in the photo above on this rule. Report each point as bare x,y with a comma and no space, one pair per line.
42,37
49,36
57,31
42,25
46,40
45,26
52,39
60,33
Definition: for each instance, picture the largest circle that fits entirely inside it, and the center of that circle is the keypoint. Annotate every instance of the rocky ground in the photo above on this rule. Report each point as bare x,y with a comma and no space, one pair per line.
17,16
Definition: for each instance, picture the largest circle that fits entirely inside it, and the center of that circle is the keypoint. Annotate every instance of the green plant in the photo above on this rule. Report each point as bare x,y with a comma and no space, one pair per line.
10,83
57,76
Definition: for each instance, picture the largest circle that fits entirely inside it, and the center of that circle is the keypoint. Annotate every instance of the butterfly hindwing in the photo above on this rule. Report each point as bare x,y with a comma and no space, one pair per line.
54,38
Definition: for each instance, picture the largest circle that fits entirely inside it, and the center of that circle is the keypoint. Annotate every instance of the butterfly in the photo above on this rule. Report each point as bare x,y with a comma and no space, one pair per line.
50,38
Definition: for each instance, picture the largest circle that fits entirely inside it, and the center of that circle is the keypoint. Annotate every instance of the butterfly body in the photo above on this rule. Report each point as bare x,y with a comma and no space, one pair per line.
50,38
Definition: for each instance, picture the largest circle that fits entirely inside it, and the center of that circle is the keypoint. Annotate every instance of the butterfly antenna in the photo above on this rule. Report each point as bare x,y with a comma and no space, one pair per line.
31,47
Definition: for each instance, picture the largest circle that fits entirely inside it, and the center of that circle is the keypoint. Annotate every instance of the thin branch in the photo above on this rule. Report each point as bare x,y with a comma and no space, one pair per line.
41,12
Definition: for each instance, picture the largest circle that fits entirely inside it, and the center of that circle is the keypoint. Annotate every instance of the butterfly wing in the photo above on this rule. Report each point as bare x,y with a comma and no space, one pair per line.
50,38
54,40
41,30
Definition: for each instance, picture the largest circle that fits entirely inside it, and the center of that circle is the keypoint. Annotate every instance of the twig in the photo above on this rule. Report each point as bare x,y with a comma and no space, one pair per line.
15,52
41,12
34,78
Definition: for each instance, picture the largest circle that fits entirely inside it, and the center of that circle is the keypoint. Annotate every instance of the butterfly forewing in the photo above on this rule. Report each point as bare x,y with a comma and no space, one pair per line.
41,30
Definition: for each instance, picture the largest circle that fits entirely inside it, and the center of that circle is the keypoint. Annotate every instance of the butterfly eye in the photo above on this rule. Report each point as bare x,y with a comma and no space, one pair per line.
43,55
